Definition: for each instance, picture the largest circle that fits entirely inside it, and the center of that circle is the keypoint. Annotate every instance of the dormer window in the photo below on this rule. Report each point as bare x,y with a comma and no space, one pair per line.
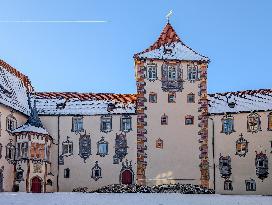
164,119
11,123
106,123
77,124
167,51
152,72
111,107
192,72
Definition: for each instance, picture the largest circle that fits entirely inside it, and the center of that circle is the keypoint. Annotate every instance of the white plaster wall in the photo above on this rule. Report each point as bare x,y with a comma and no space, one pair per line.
80,172
4,140
243,168
178,161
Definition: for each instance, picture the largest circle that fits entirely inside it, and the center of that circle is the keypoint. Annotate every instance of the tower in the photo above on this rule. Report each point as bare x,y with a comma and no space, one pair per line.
32,158
172,108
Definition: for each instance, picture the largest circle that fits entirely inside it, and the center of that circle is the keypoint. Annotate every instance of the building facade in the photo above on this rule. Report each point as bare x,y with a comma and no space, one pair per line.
170,131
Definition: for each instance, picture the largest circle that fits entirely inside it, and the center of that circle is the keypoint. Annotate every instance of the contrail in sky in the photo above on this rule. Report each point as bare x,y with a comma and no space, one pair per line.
52,21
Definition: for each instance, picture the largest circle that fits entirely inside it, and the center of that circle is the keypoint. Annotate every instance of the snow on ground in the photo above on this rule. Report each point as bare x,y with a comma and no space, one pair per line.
131,199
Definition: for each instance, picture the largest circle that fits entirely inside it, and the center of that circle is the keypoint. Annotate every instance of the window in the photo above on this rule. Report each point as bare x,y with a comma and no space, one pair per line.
67,173
228,185
85,146
106,123
225,166
49,182
253,123
11,123
37,167
171,97
152,72
227,124
250,185
102,147
77,124
19,176
269,122
153,97
261,163
1,147
126,123
67,147
192,72
189,120
37,151
10,152
159,143
241,146
96,172
172,74
164,119
22,150
191,98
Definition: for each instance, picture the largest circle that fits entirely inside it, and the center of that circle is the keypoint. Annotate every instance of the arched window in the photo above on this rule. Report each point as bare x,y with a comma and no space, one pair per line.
96,172
49,182
164,119
11,123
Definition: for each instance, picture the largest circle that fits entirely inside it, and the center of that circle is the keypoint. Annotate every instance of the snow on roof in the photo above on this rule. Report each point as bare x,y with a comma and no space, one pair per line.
170,47
13,88
30,128
240,101
72,103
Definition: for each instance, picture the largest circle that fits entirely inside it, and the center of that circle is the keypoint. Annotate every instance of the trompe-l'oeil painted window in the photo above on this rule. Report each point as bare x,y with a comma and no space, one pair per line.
159,143
96,172
191,98
126,123
11,123
227,124
241,146
261,163
106,123
225,166
253,123
164,119
22,150
153,97
10,152
77,125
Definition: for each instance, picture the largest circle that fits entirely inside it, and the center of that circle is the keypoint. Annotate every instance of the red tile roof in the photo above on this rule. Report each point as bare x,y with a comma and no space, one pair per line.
22,77
124,98
168,35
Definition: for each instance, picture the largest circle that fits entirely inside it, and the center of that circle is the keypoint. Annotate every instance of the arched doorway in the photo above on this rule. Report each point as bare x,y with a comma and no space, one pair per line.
36,185
1,180
126,177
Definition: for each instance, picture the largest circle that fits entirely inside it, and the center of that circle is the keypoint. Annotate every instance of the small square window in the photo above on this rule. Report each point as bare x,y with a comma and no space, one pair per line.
171,97
228,185
191,98
189,120
250,185
153,97
164,119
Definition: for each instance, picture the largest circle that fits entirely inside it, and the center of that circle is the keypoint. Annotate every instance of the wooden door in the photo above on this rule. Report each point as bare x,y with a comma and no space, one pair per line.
127,177
36,186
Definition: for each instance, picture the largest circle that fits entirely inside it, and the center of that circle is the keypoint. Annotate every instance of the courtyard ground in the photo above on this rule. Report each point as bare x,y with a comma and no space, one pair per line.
131,199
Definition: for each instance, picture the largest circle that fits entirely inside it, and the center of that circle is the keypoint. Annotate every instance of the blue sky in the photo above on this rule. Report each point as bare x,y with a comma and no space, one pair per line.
98,57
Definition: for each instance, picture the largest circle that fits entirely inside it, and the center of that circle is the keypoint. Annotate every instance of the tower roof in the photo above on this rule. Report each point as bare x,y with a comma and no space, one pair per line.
33,124
170,47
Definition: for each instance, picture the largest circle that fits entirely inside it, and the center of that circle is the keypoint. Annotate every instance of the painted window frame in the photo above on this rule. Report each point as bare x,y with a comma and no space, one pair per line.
172,73
164,119
126,123
250,185
227,124
11,123
22,150
153,97
152,73
96,172
189,120
159,143
257,127
191,98
102,152
77,124
228,185
67,147
171,97
192,72
106,123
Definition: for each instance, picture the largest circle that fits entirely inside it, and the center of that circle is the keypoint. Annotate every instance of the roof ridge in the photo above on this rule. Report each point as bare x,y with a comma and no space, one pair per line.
242,91
25,80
